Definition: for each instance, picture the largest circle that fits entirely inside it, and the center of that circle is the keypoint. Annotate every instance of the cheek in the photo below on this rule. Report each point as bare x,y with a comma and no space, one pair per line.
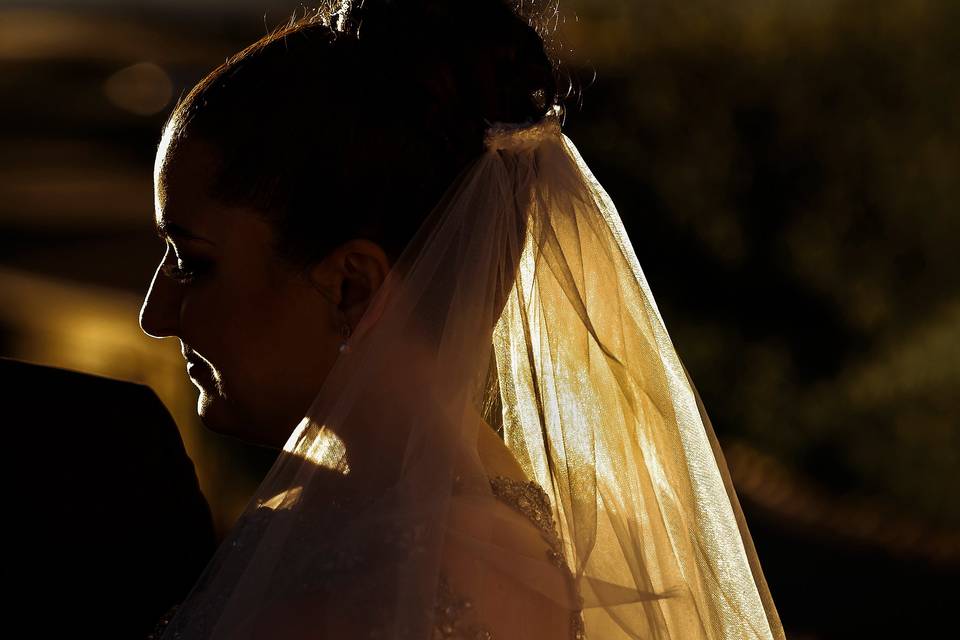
286,357
266,335
224,326
294,334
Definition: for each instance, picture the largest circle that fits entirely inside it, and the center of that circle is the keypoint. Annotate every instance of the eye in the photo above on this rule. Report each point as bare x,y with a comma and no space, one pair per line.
177,272
183,271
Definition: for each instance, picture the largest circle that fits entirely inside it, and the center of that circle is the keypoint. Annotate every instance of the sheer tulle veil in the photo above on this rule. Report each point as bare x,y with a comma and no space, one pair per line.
519,306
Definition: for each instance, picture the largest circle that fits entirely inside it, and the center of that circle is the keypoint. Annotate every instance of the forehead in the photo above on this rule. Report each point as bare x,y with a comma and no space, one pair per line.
184,209
182,175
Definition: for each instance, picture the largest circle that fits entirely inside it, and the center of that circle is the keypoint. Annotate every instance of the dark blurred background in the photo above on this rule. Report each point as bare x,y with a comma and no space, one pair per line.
788,173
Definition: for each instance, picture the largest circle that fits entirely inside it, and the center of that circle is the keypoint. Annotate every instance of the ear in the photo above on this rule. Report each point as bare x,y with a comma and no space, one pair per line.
350,275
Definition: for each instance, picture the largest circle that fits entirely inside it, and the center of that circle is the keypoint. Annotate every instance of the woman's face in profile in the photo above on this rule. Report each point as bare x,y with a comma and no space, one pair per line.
258,335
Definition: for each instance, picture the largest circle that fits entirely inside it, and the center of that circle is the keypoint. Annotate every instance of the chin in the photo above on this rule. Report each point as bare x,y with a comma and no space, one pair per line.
224,419
211,416
215,416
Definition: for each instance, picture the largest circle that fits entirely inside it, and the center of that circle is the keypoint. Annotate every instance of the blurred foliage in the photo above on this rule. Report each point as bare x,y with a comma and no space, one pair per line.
789,174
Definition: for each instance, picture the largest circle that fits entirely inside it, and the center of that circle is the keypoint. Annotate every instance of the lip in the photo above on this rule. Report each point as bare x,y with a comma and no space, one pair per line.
197,370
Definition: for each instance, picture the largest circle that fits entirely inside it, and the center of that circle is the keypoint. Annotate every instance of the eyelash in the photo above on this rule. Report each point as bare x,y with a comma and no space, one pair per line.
180,274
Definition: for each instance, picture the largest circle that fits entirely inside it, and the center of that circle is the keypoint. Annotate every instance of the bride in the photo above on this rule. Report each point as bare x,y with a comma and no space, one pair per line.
385,259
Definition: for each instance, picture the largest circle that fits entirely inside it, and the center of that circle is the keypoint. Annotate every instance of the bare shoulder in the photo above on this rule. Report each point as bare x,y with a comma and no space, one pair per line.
500,561
502,583
496,457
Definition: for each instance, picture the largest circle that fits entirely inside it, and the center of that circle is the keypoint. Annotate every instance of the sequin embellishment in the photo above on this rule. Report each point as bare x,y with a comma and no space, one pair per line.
531,500
451,610
162,623
450,615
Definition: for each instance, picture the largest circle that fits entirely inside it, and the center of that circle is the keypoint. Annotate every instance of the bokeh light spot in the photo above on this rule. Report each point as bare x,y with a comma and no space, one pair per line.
143,88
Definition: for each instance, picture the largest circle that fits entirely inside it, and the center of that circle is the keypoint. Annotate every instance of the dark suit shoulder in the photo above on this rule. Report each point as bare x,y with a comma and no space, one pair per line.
27,380
110,492
63,400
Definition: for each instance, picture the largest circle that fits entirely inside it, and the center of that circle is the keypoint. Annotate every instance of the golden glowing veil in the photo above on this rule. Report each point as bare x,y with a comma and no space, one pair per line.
519,305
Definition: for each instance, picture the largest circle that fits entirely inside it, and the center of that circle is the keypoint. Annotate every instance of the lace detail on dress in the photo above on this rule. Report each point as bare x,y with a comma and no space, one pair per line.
450,616
531,500
162,623
452,611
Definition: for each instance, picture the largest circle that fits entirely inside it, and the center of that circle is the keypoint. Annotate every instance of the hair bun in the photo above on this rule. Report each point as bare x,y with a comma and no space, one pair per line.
396,97
481,56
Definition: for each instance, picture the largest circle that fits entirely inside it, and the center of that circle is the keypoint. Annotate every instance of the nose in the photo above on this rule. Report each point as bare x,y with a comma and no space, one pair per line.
161,307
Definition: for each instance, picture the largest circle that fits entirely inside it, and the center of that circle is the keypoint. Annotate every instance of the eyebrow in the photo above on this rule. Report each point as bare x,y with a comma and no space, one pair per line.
167,229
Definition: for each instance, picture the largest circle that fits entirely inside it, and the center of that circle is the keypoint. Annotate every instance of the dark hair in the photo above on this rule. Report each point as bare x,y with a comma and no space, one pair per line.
353,120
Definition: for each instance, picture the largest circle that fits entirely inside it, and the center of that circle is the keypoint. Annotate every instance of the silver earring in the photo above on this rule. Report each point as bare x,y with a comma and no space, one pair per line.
345,332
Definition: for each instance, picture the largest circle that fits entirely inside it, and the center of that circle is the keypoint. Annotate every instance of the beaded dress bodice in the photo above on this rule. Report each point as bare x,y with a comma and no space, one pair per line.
453,618
532,501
